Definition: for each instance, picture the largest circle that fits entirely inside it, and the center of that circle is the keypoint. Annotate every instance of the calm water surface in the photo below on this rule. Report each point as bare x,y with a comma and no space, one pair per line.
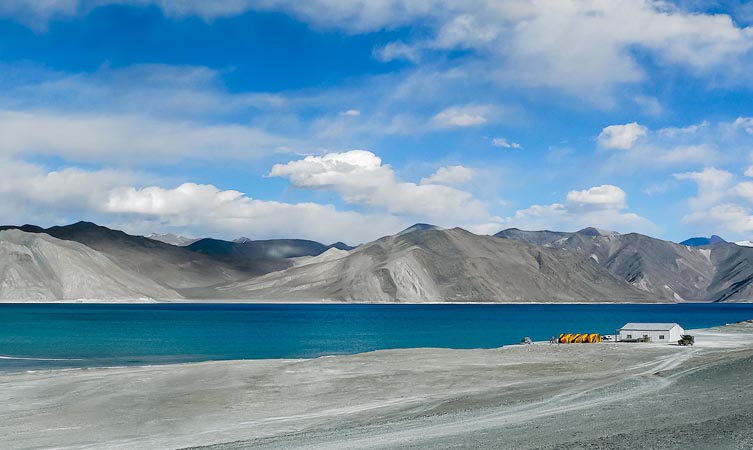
79,335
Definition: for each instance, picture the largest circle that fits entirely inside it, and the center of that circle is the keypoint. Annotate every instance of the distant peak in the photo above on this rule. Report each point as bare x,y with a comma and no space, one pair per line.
701,241
341,246
419,227
591,231
84,224
242,240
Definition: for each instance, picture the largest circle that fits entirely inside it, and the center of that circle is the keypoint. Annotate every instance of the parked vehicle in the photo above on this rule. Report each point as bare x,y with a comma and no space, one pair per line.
686,339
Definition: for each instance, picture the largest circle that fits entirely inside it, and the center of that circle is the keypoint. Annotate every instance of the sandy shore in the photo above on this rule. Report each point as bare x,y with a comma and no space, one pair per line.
541,396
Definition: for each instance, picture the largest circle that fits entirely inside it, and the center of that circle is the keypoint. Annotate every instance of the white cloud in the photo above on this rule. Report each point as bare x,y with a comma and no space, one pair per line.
31,194
504,143
606,196
749,171
141,203
207,209
462,116
450,175
722,218
351,113
713,185
721,204
621,137
600,206
745,123
359,177
690,146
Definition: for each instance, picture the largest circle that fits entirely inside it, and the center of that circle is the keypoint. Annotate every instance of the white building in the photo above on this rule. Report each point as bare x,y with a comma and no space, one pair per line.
655,332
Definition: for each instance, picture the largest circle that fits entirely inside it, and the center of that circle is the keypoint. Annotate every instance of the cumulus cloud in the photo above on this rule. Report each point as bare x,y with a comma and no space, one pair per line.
621,137
205,208
29,192
137,202
449,175
359,177
721,205
606,196
600,206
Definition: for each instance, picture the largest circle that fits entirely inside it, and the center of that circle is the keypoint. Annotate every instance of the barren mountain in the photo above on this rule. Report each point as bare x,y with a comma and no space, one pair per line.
717,272
173,267
36,266
420,264
444,265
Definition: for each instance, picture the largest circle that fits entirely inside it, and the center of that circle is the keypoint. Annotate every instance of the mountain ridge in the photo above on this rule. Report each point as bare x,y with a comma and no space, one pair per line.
423,263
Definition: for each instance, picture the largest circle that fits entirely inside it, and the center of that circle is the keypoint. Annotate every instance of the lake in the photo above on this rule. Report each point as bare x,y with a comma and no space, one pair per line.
43,336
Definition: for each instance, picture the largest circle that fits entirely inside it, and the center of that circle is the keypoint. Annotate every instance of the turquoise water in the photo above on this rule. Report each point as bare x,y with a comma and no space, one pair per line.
78,335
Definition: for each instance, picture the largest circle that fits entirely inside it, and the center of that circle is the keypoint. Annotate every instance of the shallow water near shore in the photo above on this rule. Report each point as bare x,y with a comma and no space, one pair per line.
47,336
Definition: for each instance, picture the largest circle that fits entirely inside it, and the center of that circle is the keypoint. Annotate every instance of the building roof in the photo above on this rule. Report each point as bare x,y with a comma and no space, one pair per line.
649,326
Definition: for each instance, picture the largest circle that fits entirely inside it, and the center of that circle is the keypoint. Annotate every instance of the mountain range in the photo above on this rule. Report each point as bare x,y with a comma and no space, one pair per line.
423,263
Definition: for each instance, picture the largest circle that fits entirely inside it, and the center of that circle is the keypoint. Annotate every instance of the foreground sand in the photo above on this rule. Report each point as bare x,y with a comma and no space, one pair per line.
541,396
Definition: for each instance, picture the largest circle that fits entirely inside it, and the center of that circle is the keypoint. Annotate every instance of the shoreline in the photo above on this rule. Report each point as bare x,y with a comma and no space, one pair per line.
336,355
386,399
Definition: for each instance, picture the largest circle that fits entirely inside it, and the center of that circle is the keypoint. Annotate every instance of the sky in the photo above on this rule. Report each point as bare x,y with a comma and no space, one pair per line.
347,120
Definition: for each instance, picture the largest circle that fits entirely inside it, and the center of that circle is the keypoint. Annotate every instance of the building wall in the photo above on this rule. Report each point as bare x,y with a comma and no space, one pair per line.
672,335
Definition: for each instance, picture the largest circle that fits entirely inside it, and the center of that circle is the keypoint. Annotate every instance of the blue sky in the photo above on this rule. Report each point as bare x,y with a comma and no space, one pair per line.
349,120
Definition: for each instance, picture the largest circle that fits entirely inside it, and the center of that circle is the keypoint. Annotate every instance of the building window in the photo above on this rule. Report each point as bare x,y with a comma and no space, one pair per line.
661,337
630,336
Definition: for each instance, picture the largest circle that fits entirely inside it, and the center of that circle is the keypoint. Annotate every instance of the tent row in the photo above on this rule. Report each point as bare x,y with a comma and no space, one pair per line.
573,338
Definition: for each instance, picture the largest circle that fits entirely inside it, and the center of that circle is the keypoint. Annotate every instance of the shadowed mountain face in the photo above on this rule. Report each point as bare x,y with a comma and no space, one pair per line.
733,280
262,249
445,265
721,272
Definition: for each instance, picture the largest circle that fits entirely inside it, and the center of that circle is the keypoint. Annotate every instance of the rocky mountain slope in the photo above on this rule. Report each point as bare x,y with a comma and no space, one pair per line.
176,268
444,265
420,264
674,272
36,266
